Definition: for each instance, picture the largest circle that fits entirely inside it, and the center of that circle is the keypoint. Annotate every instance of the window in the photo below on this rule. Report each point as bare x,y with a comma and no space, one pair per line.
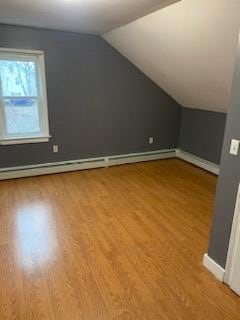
23,99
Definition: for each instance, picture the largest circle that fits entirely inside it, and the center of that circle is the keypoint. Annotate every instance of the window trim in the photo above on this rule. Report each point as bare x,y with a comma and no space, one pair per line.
44,136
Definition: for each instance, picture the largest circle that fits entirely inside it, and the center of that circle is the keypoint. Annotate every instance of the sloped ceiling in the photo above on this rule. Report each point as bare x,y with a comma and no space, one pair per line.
188,49
90,16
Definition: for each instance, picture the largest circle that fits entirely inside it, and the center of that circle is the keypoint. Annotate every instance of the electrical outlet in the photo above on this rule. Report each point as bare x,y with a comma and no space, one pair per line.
151,140
234,147
55,148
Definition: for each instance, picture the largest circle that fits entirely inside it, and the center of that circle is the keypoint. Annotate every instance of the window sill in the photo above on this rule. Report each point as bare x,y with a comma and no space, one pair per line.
6,142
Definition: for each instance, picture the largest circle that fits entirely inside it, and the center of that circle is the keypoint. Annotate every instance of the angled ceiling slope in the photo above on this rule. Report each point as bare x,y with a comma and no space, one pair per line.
90,16
188,49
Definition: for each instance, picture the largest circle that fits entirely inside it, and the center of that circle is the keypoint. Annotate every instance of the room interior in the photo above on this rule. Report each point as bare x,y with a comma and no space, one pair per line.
119,154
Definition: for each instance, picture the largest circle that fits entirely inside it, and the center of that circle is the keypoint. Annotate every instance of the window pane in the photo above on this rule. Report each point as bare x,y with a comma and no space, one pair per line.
22,116
18,78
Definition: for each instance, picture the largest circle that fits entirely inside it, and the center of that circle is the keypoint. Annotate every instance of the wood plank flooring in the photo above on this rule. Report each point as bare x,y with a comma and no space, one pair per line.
120,243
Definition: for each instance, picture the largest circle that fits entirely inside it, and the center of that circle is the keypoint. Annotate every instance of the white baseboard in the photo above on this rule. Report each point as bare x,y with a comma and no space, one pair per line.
197,161
213,267
83,164
102,162
141,157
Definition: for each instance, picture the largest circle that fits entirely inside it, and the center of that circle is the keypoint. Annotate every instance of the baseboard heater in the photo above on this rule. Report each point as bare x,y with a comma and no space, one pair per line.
197,161
83,164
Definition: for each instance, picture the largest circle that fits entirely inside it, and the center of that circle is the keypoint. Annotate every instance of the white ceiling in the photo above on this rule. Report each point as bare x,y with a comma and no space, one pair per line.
188,49
91,16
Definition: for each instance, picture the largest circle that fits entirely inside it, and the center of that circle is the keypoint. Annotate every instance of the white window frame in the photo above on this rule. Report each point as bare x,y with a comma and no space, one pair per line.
44,136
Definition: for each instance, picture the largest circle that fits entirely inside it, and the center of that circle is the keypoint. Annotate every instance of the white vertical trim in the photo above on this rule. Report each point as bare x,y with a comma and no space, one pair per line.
2,113
213,267
234,240
43,93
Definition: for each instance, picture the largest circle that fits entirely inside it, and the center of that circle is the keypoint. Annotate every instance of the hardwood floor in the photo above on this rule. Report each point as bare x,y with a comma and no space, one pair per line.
120,243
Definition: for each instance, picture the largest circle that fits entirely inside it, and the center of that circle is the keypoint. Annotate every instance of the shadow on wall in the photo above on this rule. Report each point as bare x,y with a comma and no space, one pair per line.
202,133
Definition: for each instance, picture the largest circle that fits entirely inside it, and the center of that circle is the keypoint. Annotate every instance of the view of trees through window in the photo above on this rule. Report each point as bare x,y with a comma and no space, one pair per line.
20,96
18,78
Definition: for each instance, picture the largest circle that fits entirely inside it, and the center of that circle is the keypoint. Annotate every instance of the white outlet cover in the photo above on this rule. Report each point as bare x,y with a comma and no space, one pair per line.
151,140
234,149
55,148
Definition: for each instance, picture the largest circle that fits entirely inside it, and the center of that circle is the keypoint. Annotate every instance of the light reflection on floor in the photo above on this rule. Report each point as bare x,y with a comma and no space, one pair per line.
36,236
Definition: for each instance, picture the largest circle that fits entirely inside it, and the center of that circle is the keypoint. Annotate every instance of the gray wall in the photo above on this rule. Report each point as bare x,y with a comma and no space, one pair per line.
99,103
202,133
228,180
